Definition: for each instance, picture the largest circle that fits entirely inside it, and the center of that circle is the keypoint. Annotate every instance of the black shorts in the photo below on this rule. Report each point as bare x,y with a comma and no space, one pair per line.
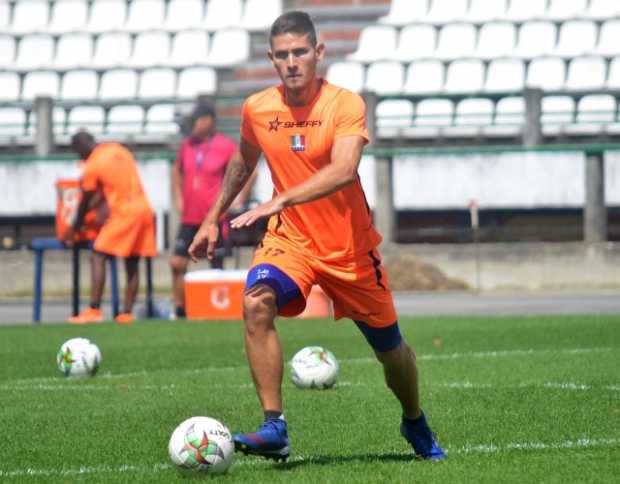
186,235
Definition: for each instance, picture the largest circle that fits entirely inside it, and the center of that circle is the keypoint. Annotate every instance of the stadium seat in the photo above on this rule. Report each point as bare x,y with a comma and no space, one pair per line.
188,48
12,122
5,15
160,119
229,47
73,50
505,75
602,9
404,12
68,16
221,14
118,84
150,49
464,76
125,120
547,73
496,39
483,11
29,17
196,80
11,86
594,113
560,10
90,118
557,112
577,37
445,11
347,74
608,39
184,15
586,73
456,41
7,51
614,128
431,116
471,115
80,84
385,77
509,118
524,10
40,83
145,15
393,117
613,76
112,50
415,42
107,15
376,42
536,39
424,77
34,52
260,14
157,83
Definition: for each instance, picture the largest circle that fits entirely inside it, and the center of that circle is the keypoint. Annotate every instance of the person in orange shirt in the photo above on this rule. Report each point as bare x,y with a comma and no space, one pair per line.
320,231
129,230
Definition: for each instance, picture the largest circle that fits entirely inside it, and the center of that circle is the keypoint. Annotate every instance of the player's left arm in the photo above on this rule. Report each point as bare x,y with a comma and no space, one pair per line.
346,154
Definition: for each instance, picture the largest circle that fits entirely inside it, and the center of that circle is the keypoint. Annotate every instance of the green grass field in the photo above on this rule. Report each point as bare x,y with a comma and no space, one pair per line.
511,399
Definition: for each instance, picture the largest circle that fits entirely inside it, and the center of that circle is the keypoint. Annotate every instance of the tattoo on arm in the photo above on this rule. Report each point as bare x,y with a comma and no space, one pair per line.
237,174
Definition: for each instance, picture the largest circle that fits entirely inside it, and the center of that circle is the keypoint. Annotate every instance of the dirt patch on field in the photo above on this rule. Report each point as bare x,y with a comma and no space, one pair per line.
410,273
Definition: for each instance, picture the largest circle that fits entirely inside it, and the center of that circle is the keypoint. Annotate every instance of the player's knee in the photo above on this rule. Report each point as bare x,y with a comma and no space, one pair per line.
259,301
178,264
397,355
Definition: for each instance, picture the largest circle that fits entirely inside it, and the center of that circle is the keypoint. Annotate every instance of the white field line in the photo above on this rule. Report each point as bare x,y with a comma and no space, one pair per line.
585,443
423,357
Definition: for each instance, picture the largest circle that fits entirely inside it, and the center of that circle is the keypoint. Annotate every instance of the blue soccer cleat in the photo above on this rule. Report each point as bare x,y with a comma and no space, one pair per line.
421,438
269,441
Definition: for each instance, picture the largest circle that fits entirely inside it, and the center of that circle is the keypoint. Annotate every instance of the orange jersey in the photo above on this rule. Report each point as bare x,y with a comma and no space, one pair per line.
297,142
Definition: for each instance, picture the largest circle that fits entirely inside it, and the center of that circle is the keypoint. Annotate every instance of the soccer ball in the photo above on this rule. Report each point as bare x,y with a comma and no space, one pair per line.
314,367
78,357
202,444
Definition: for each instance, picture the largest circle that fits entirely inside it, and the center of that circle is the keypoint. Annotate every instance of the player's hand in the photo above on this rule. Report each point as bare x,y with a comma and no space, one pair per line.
68,236
264,210
204,241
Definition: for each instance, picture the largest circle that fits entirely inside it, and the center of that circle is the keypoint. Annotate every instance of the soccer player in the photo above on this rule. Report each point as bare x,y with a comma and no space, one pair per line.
197,178
319,232
129,230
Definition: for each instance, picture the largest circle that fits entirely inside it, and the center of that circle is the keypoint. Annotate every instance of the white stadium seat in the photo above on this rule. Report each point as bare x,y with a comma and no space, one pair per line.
509,118
464,76
125,119
112,50
431,116
446,11
415,42
157,83
160,119
221,14
560,10
385,77
118,84
12,122
7,51
184,15
557,112
577,37
602,9
145,15
404,12
40,83
393,117
483,11
196,80
29,17
260,14
547,73
586,73
68,16
5,15
90,118
594,113
150,49
496,39
613,76
536,39
505,75
456,41
424,77
376,42
229,47
470,117
608,39
107,15
188,48
73,50
82,84
34,52
523,10
347,74
11,86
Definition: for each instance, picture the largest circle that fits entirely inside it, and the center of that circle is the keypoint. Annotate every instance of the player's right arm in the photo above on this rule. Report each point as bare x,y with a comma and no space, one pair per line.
238,172
177,181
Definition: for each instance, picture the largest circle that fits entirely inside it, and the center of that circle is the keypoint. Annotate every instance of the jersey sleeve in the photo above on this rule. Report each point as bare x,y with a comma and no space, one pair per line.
351,117
247,132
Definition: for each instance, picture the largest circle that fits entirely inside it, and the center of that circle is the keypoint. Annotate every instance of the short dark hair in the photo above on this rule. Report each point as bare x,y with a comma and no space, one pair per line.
295,21
203,108
82,137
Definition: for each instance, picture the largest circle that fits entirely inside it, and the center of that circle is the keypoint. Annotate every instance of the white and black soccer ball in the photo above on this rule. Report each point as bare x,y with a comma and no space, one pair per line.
78,358
202,444
314,367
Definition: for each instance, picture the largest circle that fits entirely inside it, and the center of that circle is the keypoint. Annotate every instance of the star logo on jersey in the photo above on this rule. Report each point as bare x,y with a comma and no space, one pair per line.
273,125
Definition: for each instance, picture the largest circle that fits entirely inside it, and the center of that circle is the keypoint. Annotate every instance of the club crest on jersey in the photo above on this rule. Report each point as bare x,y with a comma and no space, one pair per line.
298,142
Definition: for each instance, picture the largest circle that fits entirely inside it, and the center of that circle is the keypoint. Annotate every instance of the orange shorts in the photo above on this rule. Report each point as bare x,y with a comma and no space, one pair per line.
132,234
358,287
